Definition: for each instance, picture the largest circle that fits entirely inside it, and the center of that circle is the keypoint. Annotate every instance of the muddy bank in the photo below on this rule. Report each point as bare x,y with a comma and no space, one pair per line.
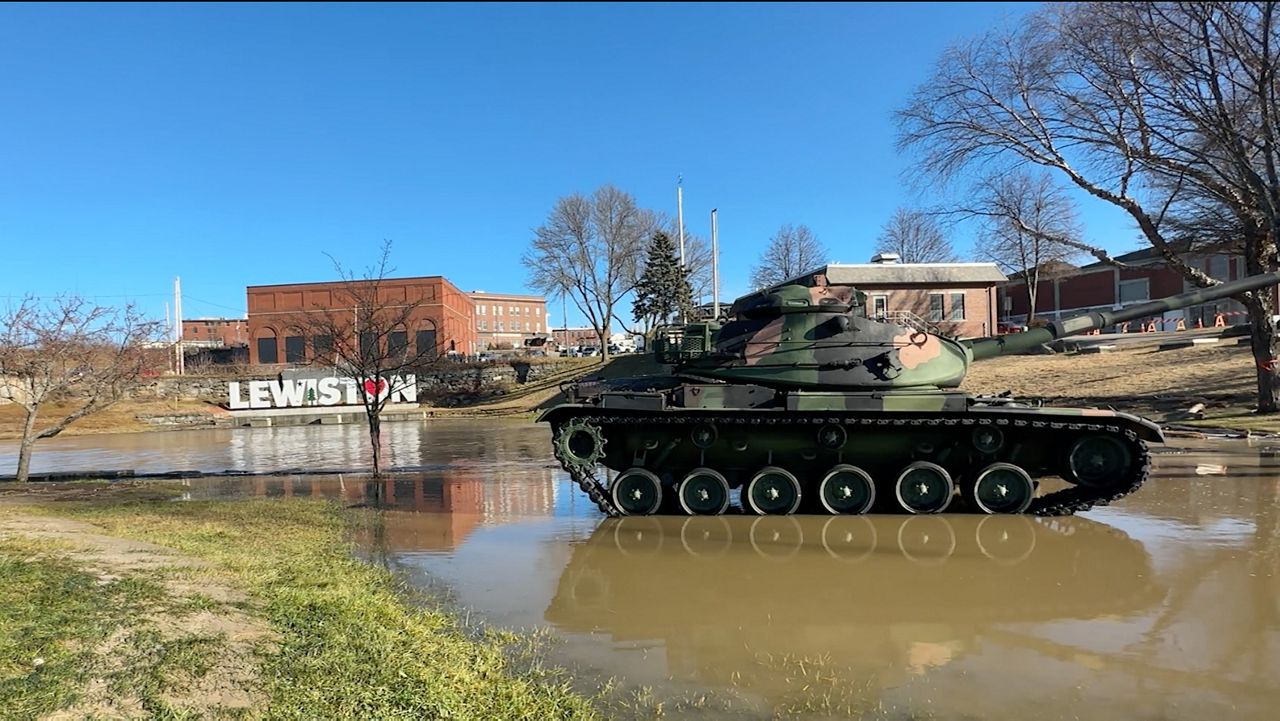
111,607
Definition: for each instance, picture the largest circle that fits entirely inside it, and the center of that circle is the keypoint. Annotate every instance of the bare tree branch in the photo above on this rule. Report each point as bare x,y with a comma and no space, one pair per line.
70,351
916,237
791,251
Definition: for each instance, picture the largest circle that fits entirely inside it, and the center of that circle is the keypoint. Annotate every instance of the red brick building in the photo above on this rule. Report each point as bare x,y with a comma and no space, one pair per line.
574,337
1101,286
507,321
955,299
216,332
445,318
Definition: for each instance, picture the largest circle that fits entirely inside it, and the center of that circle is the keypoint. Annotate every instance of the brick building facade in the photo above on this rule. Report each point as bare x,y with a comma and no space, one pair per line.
216,332
505,321
1100,286
574,337
445,318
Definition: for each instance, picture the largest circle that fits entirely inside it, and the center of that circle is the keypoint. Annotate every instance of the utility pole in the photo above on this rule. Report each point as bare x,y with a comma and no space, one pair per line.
680,216
177,325
715,269
680,230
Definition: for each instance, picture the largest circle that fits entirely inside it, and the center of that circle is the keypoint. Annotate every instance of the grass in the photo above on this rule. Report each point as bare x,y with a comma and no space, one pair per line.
54,615
347,643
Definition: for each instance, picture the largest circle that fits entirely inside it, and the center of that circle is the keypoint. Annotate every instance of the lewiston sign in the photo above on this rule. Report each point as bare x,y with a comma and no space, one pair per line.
331,391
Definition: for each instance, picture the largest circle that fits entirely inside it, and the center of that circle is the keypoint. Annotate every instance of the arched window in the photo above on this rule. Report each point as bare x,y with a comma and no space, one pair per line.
266,346
424,342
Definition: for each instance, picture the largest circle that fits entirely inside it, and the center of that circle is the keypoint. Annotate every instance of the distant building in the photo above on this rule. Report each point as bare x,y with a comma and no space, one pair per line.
503,320
215,332
444,320
574,337
1070,290
955,299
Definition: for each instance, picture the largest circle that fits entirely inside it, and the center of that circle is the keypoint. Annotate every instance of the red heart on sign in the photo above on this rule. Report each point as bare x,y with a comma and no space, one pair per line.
373,389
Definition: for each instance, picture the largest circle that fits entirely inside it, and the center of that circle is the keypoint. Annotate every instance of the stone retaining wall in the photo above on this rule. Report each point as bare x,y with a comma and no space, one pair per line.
447,384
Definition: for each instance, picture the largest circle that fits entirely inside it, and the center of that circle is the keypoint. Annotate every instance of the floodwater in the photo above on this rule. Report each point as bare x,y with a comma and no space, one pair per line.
1165,605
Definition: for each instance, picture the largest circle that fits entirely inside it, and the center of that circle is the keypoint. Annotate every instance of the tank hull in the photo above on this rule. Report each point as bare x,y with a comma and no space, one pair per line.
882,448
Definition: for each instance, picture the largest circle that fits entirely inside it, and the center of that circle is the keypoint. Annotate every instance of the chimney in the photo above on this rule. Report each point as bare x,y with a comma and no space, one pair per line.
885,258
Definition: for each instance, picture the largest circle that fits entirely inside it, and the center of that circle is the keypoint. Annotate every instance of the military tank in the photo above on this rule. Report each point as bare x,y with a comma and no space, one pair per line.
805,403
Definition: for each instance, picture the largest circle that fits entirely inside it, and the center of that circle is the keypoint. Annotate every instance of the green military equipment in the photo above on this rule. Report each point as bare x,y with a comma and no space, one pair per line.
803,402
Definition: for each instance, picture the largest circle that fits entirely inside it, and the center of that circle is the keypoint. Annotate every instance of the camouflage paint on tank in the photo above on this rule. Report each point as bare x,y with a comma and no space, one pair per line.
817,337
802,337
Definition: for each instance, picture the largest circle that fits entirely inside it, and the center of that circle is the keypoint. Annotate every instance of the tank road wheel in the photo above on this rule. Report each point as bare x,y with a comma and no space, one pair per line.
581,443
1098,460
924,487
703,492
1002,488
772,491
637,492
847,489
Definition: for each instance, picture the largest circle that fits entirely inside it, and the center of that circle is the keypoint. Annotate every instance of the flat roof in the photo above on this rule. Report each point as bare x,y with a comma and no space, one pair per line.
356,280
506,296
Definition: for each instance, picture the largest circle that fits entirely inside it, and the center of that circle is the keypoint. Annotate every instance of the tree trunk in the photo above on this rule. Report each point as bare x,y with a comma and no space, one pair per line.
375,441
1032,288
25,447
604,343
1263,333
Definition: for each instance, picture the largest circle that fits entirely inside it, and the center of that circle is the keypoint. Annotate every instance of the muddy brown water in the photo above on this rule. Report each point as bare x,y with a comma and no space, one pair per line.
1165,605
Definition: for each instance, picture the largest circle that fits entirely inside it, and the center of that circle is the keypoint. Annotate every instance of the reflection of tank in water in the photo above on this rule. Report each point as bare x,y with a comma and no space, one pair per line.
804,398
724,593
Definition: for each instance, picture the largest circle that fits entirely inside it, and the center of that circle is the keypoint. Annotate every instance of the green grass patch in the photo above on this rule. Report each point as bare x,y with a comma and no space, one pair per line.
54,615
347,642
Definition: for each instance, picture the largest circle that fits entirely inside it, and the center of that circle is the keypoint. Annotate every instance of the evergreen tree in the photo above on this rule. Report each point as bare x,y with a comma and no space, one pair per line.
663,290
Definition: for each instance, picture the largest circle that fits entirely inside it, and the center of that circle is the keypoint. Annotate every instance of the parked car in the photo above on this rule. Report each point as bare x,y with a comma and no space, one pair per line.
589,351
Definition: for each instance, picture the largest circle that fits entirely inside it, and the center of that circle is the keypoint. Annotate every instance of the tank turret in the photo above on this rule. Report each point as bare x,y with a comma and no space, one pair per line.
802,337
803,402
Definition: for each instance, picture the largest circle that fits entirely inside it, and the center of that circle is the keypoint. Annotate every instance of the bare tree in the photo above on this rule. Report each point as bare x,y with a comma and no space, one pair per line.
791,251
916,237
592,247
71,352
1167,111
1029,228
378,333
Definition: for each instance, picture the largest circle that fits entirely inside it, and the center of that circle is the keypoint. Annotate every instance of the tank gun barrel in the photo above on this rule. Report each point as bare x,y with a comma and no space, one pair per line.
1094,320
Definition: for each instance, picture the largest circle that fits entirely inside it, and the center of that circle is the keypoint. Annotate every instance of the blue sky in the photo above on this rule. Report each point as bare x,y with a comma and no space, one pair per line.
235,145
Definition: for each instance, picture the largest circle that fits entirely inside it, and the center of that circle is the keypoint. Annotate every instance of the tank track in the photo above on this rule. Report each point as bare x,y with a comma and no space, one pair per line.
584,475
1064,502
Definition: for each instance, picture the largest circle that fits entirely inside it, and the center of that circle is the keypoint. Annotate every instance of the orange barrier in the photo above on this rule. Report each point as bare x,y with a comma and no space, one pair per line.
1182,324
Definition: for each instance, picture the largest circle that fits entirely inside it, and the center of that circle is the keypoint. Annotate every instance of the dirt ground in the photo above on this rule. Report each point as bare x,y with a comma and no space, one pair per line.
1161,385
120,417
229,682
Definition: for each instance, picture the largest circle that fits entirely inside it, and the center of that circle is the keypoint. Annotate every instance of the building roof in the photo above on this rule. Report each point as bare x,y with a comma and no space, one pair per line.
906,274
335,283
506,296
